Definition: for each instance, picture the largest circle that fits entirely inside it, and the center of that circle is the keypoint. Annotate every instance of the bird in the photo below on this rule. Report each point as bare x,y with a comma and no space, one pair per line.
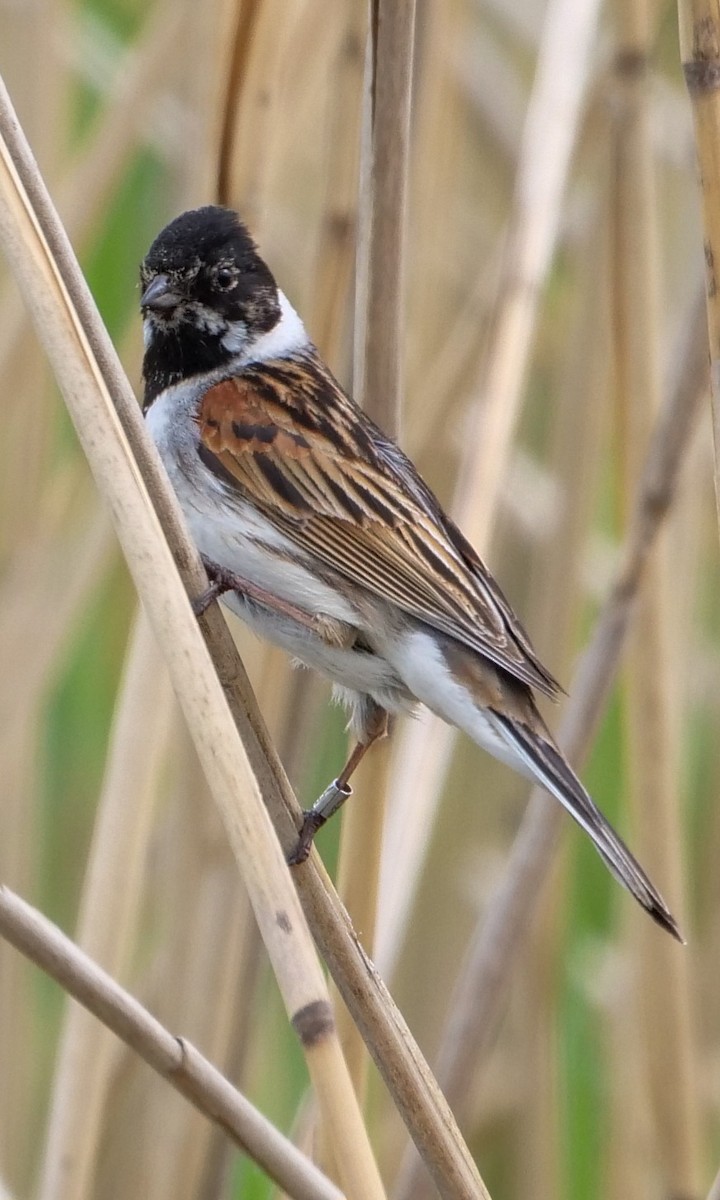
320,534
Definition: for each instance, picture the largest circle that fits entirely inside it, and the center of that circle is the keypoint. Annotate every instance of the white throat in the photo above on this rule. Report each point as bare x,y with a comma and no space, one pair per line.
285,338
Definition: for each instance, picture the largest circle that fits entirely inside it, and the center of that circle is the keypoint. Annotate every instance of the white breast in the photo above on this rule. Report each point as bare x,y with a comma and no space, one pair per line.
226,528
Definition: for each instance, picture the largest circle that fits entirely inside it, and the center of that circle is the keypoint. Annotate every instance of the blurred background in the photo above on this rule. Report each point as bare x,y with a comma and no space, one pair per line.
553,293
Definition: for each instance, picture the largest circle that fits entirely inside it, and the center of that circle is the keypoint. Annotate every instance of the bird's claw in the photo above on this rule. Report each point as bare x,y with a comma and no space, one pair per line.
314,818
221,581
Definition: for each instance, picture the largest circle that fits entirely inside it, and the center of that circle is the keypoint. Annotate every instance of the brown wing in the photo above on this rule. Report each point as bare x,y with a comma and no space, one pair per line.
297,448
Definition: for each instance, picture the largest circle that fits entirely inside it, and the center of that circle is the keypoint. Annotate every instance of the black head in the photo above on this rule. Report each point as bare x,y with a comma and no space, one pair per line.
206,296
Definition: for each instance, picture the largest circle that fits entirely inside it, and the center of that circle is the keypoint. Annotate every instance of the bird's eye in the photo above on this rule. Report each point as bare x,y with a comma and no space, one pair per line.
225,278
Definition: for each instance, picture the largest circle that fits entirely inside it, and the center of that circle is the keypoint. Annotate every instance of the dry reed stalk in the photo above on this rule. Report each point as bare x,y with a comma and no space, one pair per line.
234,1012
494,82
438,251
223,755
539,1119
31,34
391,49
46,585
493,953
83,189
274,691
173,1057
109,912
254,146
557,597
447,303
210,940
448,300
17,862
699,22
655,786
154,1143
549,134
201,75
714,1193
27,469
262,29
574,457
297,737
652,727
397,1056
335,251
690,551
85,185
270,674
422,745
421,758
380,325
453,361
360,855
208,951
336,240
303,1133
27,42
630,1165
211,946
242,21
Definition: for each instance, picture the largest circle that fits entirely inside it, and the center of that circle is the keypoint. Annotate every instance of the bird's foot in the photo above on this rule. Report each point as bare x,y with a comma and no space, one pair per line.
314,818
221,581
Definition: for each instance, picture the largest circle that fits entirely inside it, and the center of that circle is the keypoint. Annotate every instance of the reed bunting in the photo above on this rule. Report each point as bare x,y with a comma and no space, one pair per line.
321,534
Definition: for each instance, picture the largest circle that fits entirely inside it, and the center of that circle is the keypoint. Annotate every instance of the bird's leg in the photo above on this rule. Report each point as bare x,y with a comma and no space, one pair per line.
222,580
338,791
328,803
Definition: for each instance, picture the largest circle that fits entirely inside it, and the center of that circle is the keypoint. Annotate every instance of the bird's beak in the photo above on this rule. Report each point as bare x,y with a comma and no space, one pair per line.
159,294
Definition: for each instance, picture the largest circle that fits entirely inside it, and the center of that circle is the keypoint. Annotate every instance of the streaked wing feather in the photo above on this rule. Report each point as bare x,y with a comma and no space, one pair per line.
365,513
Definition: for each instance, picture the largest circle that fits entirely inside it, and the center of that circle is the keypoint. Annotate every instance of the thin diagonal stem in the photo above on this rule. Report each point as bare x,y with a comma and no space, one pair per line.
222,753
493,953
172,1057
396,1054
381,327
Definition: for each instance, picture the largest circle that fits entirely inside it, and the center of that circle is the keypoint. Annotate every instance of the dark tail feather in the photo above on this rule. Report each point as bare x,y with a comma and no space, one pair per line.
551,770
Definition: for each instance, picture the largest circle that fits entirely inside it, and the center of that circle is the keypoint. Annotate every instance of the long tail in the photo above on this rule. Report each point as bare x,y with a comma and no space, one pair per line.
545,762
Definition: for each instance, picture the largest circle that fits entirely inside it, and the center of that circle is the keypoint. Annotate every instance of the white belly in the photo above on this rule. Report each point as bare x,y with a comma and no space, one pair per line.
230,532
225,528
357,670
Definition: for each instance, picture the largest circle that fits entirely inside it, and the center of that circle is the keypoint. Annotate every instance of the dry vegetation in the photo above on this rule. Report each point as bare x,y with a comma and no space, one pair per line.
533,322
